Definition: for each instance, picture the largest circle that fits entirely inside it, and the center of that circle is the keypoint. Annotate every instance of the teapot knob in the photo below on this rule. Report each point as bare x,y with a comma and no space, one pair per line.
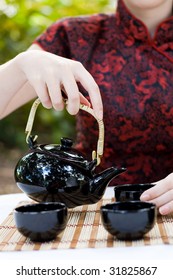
66,142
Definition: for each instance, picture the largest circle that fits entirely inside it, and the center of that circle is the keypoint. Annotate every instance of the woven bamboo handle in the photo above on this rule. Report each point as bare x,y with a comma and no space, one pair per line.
100,143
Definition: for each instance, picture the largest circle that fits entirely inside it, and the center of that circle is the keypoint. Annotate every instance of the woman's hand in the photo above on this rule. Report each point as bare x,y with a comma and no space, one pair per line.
161,194
50,74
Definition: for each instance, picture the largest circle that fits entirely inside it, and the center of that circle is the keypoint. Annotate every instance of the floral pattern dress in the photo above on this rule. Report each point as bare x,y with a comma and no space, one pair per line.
135,75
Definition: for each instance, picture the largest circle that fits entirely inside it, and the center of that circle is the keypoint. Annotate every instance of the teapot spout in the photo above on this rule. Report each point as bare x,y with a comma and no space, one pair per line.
100,181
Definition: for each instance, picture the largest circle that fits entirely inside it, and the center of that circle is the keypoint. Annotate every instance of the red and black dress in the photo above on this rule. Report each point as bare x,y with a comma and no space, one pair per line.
135,75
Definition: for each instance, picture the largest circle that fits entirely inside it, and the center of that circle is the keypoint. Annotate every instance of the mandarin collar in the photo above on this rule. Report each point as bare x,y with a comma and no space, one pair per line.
134,29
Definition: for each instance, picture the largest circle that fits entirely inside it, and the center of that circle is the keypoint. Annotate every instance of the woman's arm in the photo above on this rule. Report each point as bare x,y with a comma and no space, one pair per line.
39,73
14,88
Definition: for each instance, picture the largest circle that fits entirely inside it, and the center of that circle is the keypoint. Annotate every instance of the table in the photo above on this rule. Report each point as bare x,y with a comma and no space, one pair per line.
156,252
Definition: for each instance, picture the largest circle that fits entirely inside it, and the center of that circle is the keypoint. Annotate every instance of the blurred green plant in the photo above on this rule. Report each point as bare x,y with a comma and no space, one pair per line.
21,21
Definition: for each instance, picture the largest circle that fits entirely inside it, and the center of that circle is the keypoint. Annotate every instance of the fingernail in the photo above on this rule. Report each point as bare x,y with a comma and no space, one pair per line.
145,197
164,210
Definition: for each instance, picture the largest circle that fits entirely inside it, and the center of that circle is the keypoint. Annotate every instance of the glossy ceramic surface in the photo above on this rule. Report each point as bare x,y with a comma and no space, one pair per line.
41,222
130,192
61,173
128,220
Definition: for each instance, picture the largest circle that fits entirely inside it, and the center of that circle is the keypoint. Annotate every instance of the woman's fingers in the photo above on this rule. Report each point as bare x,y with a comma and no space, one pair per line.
68,84
54,91
87,81
72,92
56,73
84,100
167,208
163,199
42,91
153,192
56,97
161,194
160,188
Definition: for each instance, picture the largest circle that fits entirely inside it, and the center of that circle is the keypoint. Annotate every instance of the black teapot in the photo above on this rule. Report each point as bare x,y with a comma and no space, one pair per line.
58,172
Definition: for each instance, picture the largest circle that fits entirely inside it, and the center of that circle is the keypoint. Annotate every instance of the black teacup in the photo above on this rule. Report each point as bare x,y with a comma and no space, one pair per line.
128,220
41,221
129,192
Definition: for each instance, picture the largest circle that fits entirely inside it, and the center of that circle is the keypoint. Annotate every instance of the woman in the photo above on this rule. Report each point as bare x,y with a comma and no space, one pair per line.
128,57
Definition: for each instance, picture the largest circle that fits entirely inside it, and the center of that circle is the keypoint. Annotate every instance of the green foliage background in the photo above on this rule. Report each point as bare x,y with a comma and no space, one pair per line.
21,21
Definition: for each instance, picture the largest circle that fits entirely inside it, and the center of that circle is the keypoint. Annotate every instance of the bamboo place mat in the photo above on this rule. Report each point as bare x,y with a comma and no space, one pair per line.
84,230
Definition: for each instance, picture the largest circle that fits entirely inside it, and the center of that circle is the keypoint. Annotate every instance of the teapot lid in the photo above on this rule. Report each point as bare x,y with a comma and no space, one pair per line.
64,151
65,144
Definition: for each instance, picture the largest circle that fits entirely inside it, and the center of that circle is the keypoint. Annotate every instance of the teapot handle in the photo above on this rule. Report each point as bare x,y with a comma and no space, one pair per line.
100,143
